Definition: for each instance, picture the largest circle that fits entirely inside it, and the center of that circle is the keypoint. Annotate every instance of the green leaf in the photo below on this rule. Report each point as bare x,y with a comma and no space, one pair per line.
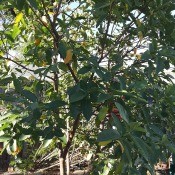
5,138
102,113
94,61
160,65
107,135
171,147
36,114
49,56
24,137
33,3
100,73
62,66
46,143
16,31
103,97
20,4
101,19
127,156
55,104
5,81
17,85
117,123
8,116
75,110
84,70
156,130
120,167
146,55
122,82
62,49
77,96
122,112
29,95
86,107
141,145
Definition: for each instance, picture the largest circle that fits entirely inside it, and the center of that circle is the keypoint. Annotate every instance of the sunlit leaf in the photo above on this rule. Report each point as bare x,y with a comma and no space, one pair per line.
18,18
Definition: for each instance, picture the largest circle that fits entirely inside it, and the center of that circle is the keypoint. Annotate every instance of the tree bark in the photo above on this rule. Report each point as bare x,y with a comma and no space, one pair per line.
62,166
67,157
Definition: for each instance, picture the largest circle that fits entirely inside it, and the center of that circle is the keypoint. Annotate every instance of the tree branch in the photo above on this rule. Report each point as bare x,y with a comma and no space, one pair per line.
72,73
39,19
57,12
54,32
24,67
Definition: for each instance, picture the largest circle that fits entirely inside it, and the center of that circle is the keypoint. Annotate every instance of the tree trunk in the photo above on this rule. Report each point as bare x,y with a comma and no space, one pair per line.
62,166
4,161
67,157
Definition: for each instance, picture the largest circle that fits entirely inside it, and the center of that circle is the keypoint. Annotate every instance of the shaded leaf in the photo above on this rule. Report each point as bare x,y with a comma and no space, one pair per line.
103,97
122,112
20,4
29,95
33,3
74,110
55,104
17,85
108,134
77,96
141,145
84,69
86,107
117,123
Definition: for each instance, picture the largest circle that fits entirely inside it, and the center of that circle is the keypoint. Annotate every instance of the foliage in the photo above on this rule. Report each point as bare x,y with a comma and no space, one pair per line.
89,70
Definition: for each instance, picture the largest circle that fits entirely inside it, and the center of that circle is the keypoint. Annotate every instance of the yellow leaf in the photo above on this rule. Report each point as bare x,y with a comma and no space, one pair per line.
18,18
31,77
122,148
84,44
44,63
138,22
18,149
138,56
50,13
104,143
37,41
68,56
126,6
140,35
43,117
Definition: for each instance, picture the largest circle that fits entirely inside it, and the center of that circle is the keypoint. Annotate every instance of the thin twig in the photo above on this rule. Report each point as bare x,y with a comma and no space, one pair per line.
105,36
72,73
24,67
57,12
54,32
39,19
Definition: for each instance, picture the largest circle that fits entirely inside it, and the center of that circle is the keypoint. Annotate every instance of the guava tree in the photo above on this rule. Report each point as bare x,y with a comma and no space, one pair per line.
103,63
